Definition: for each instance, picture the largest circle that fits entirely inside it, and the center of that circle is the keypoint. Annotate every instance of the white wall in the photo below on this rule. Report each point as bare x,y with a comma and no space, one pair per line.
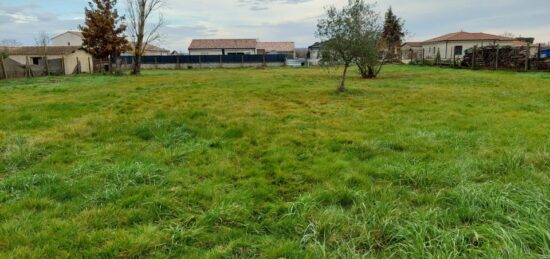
67,39
196,52
446,49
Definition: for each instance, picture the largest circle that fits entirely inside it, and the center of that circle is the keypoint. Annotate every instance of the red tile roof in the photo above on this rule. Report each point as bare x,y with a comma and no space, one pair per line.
223,44
413,44
468,36
276,46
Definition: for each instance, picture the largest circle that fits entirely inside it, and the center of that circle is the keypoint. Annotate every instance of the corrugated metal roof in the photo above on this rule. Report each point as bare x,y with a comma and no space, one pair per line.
50,50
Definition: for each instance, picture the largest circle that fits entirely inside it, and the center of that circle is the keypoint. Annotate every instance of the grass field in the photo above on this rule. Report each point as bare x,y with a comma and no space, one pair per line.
422,162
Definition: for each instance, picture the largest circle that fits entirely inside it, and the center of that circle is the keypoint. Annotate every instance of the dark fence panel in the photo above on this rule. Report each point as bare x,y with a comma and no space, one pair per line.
277,58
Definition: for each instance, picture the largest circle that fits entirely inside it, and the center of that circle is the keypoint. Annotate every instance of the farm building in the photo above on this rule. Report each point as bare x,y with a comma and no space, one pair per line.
68,57
286,48
240,47
454,44
223,47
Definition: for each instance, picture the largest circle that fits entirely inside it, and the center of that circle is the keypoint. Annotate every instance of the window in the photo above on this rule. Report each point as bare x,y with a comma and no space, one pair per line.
458,50
36,61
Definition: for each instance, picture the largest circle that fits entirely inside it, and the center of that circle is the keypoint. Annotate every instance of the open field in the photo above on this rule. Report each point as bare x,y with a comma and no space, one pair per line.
273,163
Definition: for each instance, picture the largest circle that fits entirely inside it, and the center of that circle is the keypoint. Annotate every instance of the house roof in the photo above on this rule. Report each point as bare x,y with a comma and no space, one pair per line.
76,33
468,36
223,44
151,47
519,43
276,46
413,44
50,50
316,45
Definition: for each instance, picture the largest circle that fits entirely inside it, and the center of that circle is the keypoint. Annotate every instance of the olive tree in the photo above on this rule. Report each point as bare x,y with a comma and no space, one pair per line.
350,35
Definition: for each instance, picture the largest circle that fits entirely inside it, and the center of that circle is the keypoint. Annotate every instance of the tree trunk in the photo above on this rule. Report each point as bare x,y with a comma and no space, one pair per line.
137,65
342,86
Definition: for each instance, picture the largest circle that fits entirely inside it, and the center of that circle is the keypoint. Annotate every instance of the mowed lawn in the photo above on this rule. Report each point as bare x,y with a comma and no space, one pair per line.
272,163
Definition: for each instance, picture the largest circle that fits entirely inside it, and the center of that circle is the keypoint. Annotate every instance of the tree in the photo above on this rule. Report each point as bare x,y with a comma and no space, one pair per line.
42,41
142,31
393,33
367,35
103,30
350,35
8,43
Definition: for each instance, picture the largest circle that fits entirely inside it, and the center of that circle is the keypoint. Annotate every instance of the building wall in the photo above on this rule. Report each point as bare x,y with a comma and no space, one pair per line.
197,52
446,49
67,39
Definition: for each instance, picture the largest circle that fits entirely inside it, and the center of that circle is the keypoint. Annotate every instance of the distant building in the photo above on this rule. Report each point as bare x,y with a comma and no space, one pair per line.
75,38
411,50
150,50
454,44
223,47
314,53
69,38
239,47
286,48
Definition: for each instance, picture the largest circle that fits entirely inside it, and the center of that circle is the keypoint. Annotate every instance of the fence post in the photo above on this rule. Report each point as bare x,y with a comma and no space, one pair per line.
27,73
527,54
178,62
242,60
47,65
497,57
200,61
474,57
221,61
264,60
156,63
63,66
3,68
90,70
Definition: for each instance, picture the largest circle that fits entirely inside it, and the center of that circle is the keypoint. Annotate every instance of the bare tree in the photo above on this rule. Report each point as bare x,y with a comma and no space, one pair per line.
6,44
42,41
142,31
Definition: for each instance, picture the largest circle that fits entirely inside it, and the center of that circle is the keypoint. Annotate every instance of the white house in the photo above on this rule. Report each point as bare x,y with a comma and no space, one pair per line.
69,38
454,44
314,53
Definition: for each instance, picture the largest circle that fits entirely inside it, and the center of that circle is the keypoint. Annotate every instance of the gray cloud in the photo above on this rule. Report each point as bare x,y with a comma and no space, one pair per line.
261,5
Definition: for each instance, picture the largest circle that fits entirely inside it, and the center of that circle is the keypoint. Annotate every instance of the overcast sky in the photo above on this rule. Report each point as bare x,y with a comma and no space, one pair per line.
284,20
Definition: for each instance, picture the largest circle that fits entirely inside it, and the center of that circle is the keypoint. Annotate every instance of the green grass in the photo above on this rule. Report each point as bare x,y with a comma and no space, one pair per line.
422,162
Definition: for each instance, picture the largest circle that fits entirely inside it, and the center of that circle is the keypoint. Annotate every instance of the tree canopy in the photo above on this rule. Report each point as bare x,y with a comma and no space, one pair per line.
104,29
351,35
393,33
